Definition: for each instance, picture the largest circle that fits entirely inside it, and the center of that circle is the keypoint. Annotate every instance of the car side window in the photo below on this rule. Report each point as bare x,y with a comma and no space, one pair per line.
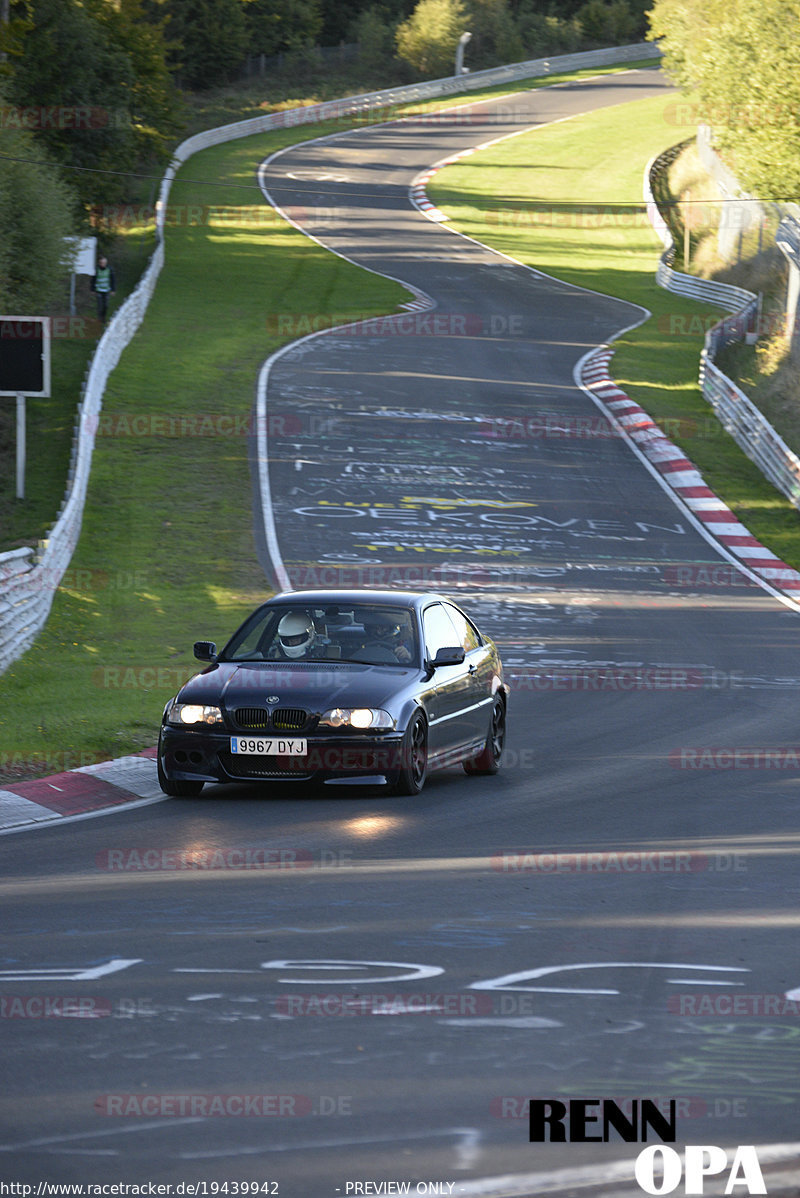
249,646
439,630
467,633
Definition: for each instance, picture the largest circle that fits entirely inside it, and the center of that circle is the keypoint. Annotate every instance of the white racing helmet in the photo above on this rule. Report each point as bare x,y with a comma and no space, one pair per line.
295,633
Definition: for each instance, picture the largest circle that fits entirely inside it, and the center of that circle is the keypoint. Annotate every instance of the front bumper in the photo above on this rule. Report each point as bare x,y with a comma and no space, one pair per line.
203,756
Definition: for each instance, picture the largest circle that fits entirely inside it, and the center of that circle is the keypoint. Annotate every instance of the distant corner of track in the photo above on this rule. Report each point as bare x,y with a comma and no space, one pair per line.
668,464
664,460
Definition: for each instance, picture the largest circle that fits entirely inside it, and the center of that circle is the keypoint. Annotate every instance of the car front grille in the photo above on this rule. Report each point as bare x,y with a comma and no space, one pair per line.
251,717
284,719
289,718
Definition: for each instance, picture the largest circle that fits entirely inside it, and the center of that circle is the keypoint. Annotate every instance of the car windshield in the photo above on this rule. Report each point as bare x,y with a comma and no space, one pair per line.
370,633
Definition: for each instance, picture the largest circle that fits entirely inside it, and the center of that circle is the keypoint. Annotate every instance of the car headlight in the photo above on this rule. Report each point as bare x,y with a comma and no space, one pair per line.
193,713
356,717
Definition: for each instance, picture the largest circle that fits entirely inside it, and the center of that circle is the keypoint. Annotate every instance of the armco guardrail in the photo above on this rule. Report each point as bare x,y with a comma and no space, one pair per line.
737,414
27,588
751,430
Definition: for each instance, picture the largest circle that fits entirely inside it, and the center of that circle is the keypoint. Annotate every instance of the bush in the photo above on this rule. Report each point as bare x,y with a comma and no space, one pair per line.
37,211
607,24
495,36
427,41
375,38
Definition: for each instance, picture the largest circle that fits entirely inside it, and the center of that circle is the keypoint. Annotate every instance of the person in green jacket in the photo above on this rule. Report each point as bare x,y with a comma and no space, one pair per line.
103,285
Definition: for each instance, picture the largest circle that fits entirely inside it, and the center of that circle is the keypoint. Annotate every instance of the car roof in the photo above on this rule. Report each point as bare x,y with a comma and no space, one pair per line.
357,598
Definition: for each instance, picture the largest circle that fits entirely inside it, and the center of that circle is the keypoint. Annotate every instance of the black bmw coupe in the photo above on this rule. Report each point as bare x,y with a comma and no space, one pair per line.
328,685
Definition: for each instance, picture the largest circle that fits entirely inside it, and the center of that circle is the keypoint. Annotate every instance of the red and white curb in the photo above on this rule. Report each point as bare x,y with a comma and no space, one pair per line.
683,477
122,784
419,196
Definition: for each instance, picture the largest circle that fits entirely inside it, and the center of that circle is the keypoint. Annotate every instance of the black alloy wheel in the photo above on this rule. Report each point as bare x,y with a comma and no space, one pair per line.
414,767
488,760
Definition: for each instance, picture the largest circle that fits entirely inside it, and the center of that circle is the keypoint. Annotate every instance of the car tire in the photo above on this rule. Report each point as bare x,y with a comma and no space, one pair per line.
488,760
177,788
414,767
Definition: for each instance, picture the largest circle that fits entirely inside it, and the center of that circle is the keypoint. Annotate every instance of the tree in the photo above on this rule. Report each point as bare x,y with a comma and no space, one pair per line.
93,77
76,86
683,28
495,36
544,34
37,211
428,39
607,24
274,26
155,107
12,32
743,65
375,37
208,39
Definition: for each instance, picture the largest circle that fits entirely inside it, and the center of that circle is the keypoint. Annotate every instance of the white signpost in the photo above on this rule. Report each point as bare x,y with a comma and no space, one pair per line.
83,263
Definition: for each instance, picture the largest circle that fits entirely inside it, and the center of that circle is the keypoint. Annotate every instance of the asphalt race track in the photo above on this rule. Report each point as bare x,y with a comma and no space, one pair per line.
324,989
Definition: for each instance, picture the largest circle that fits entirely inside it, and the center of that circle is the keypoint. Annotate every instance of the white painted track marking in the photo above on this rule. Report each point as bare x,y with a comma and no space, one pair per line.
69,975
508,981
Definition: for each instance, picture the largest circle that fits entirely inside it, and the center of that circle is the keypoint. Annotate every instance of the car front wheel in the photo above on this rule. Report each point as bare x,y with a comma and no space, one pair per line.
414,766
488,760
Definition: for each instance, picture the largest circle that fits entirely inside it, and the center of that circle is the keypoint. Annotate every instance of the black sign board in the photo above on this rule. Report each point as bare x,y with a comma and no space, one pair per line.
25,355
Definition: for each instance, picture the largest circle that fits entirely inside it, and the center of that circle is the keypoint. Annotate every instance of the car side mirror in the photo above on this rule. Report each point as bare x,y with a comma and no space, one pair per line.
205,650
452,655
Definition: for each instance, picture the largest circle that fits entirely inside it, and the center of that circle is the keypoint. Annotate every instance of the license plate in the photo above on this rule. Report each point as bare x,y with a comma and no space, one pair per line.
270,746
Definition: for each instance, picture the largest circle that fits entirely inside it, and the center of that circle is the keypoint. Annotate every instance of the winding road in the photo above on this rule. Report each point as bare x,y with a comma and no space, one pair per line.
613,916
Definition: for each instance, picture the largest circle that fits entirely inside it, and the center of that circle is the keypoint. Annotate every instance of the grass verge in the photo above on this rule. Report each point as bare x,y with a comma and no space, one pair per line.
519,196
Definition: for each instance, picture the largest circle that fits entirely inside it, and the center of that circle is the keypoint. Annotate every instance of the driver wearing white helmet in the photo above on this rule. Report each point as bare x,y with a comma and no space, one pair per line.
297,638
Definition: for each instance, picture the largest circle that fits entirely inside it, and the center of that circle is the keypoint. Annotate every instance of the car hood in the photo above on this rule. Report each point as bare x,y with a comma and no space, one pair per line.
314,687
